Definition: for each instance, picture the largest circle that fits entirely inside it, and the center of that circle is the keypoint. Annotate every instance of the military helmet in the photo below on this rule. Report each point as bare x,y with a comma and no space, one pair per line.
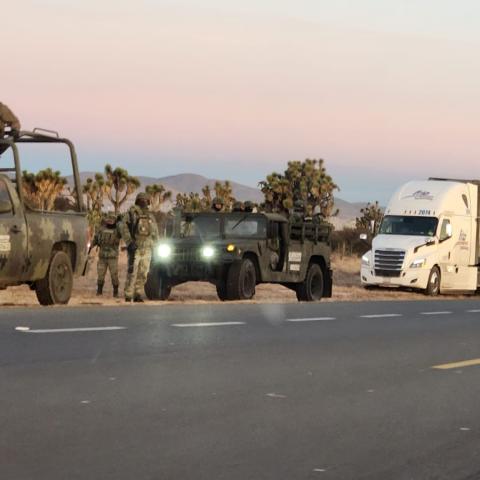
298,204
142,200
249,206
217,204
238,207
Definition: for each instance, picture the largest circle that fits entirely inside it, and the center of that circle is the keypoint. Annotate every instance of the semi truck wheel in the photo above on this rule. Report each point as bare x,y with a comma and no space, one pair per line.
311,289
241,280
433,286
56,287
157,287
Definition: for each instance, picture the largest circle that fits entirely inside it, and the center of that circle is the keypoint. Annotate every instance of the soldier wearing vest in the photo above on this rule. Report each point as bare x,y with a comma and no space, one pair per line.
140,232
108,240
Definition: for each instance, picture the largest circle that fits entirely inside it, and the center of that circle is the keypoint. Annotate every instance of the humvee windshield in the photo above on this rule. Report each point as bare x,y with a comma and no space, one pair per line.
201,227
242,226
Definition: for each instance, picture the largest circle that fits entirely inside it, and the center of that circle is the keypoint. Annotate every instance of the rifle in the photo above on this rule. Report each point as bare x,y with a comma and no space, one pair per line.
87,261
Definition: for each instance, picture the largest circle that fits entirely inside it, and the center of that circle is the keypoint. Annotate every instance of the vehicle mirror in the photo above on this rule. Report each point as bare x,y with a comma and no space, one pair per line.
5,206
363,236
372,226
448,230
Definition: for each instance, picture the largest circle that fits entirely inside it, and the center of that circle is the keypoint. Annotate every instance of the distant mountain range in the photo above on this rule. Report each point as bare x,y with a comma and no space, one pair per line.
190,182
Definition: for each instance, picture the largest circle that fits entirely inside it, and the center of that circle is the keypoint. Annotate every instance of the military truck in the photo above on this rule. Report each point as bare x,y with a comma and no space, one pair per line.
43,249
237,251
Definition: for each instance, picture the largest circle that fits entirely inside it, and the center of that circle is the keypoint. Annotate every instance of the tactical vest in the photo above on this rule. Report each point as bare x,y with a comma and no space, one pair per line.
108,238
144,227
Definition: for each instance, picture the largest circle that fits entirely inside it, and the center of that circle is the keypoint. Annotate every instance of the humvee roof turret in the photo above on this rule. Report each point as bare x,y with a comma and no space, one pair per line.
236,251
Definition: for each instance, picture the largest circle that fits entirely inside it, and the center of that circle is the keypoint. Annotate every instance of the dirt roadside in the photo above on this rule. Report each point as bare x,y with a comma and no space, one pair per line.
346,288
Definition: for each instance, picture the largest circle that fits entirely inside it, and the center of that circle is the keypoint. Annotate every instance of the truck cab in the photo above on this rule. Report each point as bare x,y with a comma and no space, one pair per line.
428,239
39,246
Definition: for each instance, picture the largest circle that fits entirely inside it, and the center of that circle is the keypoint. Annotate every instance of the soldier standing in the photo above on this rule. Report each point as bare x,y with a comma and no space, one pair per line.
140,232
108,240
8,119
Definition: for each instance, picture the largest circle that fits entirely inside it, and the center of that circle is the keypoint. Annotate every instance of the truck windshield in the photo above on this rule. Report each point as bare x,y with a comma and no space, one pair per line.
201,227
246,226
403,225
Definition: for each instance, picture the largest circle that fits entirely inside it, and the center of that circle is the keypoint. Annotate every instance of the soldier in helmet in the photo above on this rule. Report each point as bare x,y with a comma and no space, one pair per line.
108,240
140,232
238,207
249,206
217,204
8,119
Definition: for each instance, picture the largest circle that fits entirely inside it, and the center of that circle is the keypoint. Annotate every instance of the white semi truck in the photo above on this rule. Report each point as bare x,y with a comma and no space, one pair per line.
428,239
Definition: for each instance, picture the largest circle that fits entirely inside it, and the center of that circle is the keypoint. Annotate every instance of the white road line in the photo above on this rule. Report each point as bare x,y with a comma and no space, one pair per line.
436,313
382,315
206,324
66,330
473,311
313,319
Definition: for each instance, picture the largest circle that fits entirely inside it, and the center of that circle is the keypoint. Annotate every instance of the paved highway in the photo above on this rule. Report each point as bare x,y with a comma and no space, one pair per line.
378,390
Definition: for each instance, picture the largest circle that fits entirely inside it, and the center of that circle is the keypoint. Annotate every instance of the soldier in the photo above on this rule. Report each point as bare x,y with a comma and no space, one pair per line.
238,207
139,231
8,119
217,204
108,240
249,206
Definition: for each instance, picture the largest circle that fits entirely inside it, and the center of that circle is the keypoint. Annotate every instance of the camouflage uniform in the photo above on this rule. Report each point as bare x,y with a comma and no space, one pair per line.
108,239
140,232
8,118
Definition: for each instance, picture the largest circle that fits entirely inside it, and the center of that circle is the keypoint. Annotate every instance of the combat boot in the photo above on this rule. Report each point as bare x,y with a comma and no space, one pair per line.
138,299
99,289
115,291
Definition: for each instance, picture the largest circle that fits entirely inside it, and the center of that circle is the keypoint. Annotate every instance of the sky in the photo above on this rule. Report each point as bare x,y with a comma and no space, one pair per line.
383,91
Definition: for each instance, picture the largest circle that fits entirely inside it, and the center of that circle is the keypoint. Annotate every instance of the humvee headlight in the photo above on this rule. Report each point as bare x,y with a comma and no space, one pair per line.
230,247
208,252
164,251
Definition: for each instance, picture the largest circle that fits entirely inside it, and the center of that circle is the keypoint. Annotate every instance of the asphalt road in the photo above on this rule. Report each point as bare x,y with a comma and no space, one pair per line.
247,392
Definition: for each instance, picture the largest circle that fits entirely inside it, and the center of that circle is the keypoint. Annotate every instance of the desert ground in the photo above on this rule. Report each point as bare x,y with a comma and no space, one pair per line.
346,288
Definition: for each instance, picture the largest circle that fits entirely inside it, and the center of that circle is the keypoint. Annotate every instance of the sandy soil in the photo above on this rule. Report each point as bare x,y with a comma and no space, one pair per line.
346,288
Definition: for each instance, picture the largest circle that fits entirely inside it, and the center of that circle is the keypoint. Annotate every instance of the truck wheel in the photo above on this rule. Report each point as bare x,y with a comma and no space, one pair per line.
241,280
56,287
222,292
157,287
433,286
311,289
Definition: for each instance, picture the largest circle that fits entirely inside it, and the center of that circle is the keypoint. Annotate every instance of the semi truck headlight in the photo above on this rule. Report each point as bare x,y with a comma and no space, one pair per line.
208,252
164,251
230,247
365,260
418,263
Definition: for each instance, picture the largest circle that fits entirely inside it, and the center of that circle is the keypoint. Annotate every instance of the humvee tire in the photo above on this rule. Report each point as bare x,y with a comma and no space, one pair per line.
156,287
222,291
433,286
311,289
241,280
56,287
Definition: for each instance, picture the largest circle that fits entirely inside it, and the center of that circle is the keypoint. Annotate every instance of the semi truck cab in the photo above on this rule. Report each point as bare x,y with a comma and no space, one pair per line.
428,239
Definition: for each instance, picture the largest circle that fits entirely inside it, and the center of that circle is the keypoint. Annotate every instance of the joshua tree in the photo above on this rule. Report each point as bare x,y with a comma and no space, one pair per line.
158,196
371,218
307,181
96,190
121,185
42,189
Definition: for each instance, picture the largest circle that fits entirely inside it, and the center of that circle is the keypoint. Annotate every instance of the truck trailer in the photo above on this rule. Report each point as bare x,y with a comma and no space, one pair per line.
429,239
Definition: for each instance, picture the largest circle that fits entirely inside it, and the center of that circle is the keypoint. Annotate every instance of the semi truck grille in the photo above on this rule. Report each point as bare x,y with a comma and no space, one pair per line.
388,263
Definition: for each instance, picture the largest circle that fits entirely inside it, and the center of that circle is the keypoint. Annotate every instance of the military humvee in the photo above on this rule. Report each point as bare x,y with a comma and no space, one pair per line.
43,249
236,251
